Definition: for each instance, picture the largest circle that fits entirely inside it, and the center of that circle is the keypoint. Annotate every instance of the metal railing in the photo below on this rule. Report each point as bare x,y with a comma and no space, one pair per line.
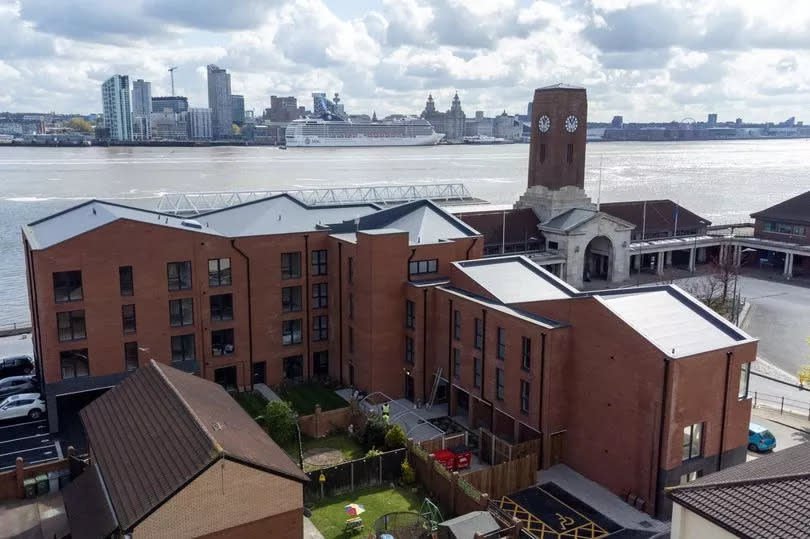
781,404
196,203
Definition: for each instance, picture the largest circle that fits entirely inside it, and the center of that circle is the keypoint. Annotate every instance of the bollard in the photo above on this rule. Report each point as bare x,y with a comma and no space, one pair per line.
782,406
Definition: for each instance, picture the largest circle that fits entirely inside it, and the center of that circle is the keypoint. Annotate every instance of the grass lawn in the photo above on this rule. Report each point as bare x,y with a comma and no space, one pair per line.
253,403
304,397
329,516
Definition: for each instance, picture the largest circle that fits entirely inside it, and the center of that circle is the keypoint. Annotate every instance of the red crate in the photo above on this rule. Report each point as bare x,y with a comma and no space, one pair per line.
462,457
445,457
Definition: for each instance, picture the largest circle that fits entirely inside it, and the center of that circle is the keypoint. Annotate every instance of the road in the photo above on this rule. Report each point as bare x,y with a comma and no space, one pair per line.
29,440
785,435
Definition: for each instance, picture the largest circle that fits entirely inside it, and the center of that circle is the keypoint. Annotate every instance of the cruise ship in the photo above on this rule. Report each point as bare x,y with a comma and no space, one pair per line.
319,132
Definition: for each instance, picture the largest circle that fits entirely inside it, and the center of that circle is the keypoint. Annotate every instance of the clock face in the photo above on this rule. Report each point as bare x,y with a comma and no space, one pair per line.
544,123
571,124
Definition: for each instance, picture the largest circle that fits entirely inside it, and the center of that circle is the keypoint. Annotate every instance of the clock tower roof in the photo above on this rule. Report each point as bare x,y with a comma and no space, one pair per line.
561,86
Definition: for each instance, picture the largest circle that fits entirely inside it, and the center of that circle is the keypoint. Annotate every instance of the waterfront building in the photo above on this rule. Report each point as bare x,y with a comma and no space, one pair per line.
282,109
711,120
115,99
399,299
199,123
141,109
219,101
478,126
175,103
450,123
238,109
507,127
168,125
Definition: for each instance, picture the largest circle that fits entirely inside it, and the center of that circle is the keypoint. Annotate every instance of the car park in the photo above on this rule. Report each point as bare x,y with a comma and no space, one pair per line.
14,385
23,405
16,366
760,439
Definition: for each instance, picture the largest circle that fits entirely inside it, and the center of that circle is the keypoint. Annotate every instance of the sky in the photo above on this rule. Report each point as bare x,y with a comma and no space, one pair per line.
648,60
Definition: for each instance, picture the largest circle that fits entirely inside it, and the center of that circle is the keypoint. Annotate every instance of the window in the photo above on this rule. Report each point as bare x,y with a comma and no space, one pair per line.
479,334
222,307
542,153
291,299
692,436
351,339
501,343
524,396
290,266
130,356
320,328
457,325
179,275
67,286
74,363
181,312
499,384
126,283
526,353
293,368
410,317
219,272
477,372
320,296
319,262
569,153
351,269
351,306
783,228
71,326
418,267
691,476
409,349
553,245
320,363
291,332
128,318
456,363
183,348
745,370
222,342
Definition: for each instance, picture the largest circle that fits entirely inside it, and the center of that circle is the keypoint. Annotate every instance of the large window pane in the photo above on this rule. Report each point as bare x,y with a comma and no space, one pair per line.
183,348
320,296
222,307
290,265
181,312
178,275
319,262
71,326
290,299
74,363
291,332
130,356
67,286
126,282
222,342
128,318
219,272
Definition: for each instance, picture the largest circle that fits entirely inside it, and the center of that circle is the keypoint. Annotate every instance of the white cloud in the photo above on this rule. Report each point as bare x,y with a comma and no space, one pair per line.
644,59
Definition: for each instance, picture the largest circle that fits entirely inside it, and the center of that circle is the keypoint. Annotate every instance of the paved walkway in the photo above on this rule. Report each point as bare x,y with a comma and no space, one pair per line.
42,518
793,421
266,392
310,531
601,499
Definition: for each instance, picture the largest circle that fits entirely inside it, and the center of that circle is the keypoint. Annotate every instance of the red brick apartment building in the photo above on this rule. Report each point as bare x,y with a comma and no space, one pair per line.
636,389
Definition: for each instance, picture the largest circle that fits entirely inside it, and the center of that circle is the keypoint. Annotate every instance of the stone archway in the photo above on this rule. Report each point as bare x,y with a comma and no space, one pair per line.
598,262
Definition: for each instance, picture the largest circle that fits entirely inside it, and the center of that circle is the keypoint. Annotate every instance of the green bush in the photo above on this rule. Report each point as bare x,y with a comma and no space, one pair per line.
408,475
395,438
374,432
279,419
373,452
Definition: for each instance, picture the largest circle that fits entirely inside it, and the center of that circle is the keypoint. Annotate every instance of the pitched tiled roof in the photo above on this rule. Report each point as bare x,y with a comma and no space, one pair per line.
88,507
160,428
792,209
767,497
660,215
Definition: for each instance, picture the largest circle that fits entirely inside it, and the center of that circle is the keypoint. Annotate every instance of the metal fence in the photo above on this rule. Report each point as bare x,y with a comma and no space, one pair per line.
781,404
346,477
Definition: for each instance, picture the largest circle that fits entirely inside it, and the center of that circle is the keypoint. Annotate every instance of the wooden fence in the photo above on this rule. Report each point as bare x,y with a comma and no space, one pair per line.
445,442
494,450
505,478
321,423
11,482
348,476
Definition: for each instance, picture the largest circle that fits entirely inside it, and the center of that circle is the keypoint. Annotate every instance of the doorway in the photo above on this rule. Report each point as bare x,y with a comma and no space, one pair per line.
409,391
557,447
226,377
598,260
260,372
462,403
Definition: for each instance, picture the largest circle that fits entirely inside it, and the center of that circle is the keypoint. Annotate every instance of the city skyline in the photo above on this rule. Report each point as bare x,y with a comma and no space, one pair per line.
387,56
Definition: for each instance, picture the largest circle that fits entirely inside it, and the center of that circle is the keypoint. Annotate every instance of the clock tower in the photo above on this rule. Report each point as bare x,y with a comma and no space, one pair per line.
557,152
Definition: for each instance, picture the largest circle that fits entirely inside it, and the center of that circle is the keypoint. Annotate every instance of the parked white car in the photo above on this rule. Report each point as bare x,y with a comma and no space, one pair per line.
22,405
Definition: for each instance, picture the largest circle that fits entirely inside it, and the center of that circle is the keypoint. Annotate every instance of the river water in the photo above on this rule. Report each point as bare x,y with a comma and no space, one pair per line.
724,181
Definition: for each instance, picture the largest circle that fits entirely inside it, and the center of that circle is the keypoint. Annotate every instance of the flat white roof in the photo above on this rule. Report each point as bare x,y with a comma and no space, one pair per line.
676,324
516,279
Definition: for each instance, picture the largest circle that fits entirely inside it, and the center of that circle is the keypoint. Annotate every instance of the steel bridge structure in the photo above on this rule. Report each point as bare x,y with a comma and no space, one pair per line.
197,203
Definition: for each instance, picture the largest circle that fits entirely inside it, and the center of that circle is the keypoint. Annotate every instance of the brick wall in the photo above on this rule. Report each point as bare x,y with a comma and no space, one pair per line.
321,423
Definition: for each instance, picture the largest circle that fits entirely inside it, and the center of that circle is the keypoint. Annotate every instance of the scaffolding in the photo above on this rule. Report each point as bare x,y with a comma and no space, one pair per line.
187,204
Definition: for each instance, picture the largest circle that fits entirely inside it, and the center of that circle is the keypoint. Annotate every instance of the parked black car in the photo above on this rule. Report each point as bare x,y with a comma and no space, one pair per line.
16,366
14,385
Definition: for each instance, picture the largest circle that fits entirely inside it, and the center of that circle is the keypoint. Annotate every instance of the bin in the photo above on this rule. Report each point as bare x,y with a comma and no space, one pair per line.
30,487
53,481
64,478
42,484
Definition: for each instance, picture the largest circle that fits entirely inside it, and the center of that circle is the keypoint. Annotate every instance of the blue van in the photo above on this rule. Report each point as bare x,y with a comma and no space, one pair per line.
760,438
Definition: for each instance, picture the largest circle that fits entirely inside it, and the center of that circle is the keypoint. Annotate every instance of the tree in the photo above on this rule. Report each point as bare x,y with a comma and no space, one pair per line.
375,431
280,421
717,288
395,438
80,124
408,475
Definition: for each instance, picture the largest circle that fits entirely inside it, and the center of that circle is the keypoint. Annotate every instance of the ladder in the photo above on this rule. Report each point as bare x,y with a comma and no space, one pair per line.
435,387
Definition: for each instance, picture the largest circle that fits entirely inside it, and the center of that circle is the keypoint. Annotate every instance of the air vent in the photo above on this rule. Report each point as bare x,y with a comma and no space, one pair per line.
191,223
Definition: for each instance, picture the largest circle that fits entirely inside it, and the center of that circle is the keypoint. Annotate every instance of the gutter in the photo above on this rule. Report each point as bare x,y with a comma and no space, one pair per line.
340,309
542,394
467,254
250,310
307,293
725,410
424,343
664,405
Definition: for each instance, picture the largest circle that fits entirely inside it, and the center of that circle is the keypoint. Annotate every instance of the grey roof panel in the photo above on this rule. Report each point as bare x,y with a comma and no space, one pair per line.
515,279
570,219
672,322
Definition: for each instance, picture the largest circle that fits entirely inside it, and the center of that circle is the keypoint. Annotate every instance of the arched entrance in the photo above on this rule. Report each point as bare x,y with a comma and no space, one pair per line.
598,263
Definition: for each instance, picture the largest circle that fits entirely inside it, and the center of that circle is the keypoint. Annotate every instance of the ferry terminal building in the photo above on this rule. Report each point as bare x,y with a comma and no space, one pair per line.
635,389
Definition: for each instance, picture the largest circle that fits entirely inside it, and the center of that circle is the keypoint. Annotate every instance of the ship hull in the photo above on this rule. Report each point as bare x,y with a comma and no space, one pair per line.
314,141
